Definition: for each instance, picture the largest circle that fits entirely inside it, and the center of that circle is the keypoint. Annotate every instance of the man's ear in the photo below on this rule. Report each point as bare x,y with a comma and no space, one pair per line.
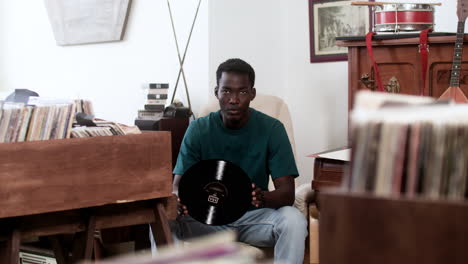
254,93
216,91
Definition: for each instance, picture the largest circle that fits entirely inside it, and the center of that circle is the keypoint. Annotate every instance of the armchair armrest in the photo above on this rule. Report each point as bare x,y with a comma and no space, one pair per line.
304,195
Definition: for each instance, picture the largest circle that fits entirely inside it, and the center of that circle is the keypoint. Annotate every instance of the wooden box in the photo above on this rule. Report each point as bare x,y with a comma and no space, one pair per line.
56,175
366,229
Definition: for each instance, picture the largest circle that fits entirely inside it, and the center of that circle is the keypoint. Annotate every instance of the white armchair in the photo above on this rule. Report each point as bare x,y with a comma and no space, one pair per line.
275,107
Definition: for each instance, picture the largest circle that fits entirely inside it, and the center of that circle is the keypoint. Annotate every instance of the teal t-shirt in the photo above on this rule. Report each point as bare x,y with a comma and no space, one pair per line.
261,148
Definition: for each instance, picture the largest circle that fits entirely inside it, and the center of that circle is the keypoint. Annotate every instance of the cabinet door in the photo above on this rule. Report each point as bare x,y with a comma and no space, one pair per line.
398,68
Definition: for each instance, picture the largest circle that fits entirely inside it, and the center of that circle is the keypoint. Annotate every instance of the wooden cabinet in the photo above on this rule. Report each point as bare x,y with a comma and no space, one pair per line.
364,228
399,64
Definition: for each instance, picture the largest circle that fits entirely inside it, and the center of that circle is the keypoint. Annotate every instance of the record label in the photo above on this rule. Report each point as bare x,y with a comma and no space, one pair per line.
216,192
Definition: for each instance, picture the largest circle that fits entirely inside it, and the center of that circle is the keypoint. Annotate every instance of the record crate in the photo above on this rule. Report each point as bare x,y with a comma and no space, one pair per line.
365,229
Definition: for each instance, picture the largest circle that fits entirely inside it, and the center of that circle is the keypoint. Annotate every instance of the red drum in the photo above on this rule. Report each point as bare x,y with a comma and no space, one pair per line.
403,17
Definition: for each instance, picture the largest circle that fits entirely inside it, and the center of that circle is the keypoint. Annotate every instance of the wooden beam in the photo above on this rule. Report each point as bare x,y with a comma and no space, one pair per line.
160,228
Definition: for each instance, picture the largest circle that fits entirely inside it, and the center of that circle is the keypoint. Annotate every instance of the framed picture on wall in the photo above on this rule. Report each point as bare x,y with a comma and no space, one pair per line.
329,19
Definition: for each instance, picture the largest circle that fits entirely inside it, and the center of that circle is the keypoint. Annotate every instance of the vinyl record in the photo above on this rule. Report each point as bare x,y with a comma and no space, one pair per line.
216,192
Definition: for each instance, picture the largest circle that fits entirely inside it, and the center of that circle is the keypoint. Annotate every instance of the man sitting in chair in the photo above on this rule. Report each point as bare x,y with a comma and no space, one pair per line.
259,145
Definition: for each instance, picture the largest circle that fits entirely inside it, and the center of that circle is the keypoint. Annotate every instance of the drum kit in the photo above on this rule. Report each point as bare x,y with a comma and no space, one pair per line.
401,17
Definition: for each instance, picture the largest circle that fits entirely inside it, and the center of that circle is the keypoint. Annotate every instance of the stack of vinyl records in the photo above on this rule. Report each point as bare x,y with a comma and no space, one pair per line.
39,119
84,106
154,107
216,248
410,146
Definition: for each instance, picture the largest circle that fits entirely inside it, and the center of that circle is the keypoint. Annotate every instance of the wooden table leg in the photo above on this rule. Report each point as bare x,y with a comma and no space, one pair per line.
142,241
9,250
98,249
160,228
84,242
60,252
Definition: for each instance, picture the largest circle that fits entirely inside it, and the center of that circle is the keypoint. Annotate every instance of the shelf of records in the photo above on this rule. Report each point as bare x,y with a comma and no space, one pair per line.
408,146
45,119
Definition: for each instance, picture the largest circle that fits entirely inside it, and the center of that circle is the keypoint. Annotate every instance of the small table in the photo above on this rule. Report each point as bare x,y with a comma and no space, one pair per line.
328,172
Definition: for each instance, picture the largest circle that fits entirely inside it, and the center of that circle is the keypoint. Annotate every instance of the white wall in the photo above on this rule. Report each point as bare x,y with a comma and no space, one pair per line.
109,74
273,36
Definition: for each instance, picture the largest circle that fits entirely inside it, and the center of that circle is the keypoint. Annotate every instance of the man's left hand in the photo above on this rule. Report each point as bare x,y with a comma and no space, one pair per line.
258,197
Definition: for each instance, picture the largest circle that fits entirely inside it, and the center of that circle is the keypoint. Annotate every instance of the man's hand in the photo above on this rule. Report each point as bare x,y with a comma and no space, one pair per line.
258,198
181,209
283,195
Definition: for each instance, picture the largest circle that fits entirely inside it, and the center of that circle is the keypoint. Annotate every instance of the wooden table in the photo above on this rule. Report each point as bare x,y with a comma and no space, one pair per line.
327,173
79,185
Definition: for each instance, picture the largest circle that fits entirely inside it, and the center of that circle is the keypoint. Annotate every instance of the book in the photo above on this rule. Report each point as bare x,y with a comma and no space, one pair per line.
413,159
158,85
13,123
150,115
25,123
158,91
154,107
157,96
156,101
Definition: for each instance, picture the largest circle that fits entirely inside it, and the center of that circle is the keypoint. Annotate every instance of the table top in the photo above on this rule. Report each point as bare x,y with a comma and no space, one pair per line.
57,175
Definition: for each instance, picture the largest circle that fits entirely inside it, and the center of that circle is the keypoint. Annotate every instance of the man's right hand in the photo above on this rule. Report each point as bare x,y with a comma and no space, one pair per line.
181,209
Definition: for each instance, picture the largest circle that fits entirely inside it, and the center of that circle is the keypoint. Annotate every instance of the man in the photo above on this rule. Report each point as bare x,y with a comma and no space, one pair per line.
260,146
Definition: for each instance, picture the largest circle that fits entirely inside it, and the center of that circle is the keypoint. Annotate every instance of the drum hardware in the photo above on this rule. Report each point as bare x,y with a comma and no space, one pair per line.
393,86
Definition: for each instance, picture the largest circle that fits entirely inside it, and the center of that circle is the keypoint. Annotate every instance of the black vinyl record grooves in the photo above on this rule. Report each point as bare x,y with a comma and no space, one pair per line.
216,192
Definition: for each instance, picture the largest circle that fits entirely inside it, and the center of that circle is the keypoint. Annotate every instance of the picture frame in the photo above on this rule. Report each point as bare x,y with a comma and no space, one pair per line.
329,19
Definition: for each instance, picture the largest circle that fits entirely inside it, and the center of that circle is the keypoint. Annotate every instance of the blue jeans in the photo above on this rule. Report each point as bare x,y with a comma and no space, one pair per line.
285,229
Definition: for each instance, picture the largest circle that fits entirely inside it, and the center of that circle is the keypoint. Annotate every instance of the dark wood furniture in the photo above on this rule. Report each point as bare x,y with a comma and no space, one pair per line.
177,126
366,229
398,59
328,173
67,186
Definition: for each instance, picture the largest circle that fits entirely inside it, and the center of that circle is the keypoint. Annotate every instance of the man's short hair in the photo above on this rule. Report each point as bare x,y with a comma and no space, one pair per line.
238,66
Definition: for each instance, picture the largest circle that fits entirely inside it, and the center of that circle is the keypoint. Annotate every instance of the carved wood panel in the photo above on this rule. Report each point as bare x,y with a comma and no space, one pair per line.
440,78
400,58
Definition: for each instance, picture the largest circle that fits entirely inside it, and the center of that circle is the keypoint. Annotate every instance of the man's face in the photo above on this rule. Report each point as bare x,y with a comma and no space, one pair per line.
234,94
